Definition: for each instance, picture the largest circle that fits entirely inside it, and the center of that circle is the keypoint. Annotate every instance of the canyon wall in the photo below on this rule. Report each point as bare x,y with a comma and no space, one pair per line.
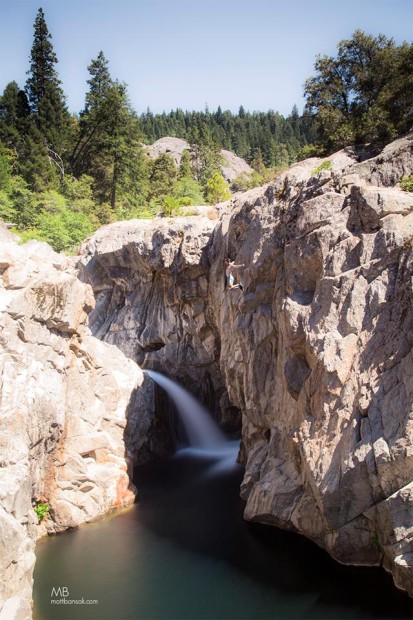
316,354
152,285
64,401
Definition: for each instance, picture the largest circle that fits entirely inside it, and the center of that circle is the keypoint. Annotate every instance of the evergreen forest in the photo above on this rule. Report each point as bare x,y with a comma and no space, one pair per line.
63,175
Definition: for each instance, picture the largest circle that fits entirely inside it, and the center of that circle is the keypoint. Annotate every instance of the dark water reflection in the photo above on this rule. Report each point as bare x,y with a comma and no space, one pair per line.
184,552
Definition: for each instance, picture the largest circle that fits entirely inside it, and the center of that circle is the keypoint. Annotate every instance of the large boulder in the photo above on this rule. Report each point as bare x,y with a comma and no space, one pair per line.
172,146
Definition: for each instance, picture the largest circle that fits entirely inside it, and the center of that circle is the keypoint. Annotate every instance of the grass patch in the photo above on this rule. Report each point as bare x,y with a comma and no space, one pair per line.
406,183
325,165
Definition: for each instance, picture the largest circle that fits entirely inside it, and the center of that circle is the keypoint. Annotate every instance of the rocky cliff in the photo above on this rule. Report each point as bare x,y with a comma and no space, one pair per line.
152,288
64,401
315,355
232,166
314,358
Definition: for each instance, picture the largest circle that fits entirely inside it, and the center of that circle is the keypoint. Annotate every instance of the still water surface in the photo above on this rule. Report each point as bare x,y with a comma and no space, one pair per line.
184,552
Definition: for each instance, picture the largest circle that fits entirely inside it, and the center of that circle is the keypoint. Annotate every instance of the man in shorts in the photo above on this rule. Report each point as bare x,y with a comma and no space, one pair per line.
230,266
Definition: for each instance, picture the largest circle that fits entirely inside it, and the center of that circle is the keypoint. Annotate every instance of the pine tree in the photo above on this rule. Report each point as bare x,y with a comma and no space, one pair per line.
185,170
162,177
20,134
207,157
188,192
46,98
258,162
123,145
14,115
217,189
34,163
43,59
94,116
109,142
99,82
242,133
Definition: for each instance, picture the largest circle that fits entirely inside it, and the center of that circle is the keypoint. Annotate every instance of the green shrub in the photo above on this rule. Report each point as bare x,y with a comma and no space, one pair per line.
171,207
217,189
62,230
104,214
406,183
246,181
144,214
241,183
42,510
311,150
23,202
325,165
375,543
185,201
126,212
190,190
7,209
78,189
50,201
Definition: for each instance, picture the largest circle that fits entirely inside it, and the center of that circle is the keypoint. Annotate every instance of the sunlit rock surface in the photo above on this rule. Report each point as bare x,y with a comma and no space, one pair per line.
316,353
63,412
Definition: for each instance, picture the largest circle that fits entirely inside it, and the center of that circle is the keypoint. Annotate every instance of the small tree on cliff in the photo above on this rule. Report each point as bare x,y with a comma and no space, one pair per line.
217,189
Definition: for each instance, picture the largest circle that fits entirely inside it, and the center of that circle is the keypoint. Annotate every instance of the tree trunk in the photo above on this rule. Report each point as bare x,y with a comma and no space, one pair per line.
114,184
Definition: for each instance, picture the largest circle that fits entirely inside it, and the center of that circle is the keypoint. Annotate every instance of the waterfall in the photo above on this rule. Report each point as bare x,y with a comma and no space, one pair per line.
203,433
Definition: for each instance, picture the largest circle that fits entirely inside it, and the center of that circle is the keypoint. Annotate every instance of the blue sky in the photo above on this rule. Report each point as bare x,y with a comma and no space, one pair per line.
186,53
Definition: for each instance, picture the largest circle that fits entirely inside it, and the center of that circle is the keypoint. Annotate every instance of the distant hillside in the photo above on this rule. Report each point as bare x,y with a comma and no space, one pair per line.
250,135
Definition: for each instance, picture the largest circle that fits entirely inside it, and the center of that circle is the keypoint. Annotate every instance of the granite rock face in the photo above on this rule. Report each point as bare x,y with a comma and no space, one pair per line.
316,353
232,166
170,145
319,356
151,282
315,357
63,412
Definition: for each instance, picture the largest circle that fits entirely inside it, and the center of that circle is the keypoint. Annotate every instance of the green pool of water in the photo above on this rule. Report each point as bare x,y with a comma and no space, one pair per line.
183,552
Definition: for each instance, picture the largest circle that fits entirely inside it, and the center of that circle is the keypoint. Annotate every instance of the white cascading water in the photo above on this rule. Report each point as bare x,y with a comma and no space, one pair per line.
205,438
201,429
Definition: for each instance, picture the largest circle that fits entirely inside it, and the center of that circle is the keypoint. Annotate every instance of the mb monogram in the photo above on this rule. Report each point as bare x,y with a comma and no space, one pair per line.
60,592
